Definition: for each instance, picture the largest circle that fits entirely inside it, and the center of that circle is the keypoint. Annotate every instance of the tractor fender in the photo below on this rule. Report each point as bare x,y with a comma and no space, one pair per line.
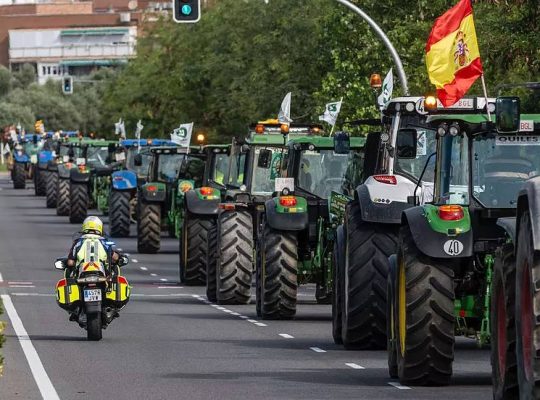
79,177
509,225
124,180
22,158
386,213
529,200
153,192
63,171
199,206
434,244
284,221
52,165
44,157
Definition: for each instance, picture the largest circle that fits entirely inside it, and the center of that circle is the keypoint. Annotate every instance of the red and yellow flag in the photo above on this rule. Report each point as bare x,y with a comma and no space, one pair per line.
452,54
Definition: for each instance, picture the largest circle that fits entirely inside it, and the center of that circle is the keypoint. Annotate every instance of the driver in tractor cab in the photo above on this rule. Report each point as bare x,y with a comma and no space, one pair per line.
304,177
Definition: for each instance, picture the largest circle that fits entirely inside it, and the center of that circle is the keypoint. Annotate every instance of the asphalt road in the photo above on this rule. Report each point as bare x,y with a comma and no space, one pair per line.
170,342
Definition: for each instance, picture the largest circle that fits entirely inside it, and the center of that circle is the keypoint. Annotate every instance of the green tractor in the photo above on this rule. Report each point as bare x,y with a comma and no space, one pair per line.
172,172
198,238
440,282
90,181
298,231
255,163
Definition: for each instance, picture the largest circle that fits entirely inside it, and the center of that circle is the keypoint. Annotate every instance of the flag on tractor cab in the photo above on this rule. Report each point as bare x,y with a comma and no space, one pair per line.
452,54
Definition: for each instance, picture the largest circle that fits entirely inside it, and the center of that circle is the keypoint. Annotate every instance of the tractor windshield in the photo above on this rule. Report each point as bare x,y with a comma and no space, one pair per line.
452,185
140,170
220,168
501,166
97,156
322,171
412,168
64,151
168,166
263,179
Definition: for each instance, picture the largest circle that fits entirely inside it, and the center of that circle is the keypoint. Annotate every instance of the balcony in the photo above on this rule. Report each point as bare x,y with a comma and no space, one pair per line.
72,51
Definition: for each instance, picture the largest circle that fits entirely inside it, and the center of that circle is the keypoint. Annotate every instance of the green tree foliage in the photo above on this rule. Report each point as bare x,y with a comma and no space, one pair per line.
5,81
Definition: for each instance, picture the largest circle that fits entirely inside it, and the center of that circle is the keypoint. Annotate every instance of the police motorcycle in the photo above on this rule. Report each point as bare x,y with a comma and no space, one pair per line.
93,292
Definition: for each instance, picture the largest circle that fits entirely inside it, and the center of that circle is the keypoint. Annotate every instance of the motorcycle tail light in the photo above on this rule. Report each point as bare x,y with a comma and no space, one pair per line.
451,213
388,179
288,201
207,191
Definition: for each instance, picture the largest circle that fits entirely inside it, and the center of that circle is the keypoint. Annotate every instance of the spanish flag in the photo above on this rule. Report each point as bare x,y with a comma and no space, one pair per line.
452,54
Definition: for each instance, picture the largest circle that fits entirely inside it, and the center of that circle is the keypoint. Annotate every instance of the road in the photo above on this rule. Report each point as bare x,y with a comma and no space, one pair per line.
170,342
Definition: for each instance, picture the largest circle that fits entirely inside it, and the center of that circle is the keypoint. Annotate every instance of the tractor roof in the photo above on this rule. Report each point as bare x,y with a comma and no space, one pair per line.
528,120
415,104
326,141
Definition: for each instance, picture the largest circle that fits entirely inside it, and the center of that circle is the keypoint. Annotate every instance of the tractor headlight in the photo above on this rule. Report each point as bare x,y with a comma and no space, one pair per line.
454,129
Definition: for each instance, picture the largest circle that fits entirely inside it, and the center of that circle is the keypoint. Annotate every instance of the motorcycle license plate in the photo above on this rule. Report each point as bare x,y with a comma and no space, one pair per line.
92,295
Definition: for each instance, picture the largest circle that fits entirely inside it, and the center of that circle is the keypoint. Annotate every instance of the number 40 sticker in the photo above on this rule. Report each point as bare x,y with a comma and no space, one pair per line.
453,247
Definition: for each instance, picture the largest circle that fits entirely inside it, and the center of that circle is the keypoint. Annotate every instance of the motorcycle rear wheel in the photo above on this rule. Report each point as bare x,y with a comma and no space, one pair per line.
93,326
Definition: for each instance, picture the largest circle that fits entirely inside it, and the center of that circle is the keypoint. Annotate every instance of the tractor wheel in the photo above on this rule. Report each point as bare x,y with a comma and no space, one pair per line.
338,267
391,341
19,176
149,228
119,209
503,328
527,311
40,181
51,189
197,249
279,269
368,247
424,316
78,202
62,197
211,277
234,266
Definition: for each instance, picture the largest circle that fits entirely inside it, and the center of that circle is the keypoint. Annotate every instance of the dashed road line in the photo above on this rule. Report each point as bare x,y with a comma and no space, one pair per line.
144,268
252,321
163,279
1,278
243,317
21,286
170,287
286,336
259,324
134,260
19,283
317,350
46,388
398,386
153,274
354,366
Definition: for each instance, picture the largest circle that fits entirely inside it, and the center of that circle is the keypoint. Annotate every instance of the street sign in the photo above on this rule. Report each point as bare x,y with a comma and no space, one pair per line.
186,11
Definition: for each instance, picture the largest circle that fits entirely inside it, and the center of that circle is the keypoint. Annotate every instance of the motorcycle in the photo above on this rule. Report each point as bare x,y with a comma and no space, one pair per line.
93,293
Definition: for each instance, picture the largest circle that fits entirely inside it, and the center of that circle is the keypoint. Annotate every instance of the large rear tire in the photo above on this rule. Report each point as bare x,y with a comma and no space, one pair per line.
93,326
503,328
149,228
197,249
424,316
78,202
51,189
368,247
279,274
338,270
40,181
527,311
119,213
19,176
62,197
234,266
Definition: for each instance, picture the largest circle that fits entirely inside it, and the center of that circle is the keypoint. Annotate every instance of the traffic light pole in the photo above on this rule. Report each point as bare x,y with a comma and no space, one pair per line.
385,40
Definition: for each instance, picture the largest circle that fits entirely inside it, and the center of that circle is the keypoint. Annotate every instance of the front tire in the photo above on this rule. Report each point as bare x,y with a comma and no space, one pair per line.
368,247
62,197
119,213
78,202
19,176
234,267
51,187
40,177
93,327
279,274
527,311
149,228
197,249
424,315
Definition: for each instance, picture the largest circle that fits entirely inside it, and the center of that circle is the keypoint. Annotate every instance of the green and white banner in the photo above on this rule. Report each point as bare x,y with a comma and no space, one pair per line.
182,135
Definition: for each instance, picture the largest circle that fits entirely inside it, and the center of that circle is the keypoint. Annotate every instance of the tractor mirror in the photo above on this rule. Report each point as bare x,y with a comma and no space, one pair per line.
60,263
265,159
406,143
137,160
342,143
507,114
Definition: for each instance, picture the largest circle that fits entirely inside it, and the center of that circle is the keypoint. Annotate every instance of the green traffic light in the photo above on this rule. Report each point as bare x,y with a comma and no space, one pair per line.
186,9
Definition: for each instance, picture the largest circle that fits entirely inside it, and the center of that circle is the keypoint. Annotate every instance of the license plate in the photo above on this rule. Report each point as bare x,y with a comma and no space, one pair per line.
92,295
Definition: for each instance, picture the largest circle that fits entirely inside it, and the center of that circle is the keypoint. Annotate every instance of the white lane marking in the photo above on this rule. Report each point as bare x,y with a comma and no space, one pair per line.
48,392
398,386
317,350
144,268
235,313
163,279
19,286
1,279
153,274
195,295
134,260
228,311
252,320
220,308
214,305
19,283
243,317
286,336
120,249
260,324
33,294
170,287
354,366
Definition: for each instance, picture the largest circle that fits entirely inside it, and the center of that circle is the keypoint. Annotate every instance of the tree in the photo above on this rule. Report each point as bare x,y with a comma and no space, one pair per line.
5,81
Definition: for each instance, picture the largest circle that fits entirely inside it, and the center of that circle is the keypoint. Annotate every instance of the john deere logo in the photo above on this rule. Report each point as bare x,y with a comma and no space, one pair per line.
182,132
332,107
185,186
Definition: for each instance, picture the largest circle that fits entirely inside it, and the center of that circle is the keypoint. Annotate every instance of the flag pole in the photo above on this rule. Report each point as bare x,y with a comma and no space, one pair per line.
340,104
486,97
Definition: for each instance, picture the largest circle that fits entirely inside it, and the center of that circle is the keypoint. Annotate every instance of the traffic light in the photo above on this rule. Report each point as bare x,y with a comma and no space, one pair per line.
67,85
187,11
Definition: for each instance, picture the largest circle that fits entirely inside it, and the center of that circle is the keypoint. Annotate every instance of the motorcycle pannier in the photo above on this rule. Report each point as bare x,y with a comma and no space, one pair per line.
120,291
67,293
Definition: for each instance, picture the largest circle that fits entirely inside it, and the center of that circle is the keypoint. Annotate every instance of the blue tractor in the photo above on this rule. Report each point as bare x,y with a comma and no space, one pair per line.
122,198
25,159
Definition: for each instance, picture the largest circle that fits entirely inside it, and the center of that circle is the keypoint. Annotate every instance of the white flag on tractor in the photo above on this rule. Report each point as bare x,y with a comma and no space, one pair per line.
182,134
387,88
139,130
284,116
331,112
120,128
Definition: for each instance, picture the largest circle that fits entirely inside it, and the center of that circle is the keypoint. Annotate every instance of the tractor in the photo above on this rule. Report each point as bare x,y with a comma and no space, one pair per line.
441,279
198,238
69,154
25,159
45,155
124,183
299,226
255,163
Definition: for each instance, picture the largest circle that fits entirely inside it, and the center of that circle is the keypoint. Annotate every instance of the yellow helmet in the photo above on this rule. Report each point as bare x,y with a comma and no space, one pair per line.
92,225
